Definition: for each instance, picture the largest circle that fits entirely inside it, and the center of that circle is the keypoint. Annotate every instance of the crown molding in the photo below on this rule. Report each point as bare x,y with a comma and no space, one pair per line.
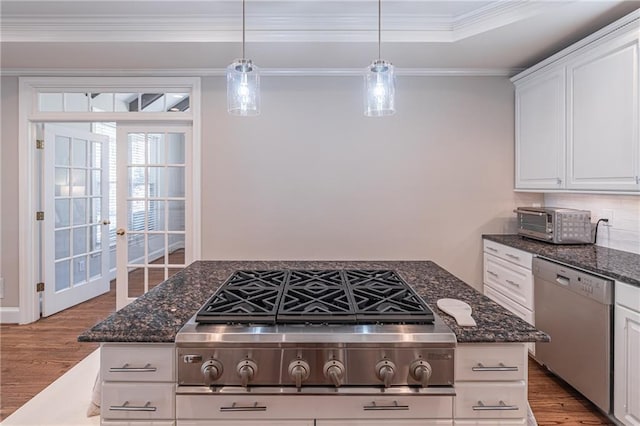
272,26
268,72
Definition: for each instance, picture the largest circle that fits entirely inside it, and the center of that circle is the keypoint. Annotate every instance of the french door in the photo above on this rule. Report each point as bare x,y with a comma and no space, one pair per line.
153,206
76,232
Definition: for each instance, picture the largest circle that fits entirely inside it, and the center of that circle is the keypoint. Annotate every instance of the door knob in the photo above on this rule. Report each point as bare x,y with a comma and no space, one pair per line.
120,231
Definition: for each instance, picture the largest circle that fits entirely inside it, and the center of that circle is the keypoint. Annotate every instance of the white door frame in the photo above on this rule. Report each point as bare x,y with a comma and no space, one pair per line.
28,203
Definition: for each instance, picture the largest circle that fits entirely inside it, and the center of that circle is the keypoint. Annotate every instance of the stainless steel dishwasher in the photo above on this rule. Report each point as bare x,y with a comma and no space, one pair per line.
574,308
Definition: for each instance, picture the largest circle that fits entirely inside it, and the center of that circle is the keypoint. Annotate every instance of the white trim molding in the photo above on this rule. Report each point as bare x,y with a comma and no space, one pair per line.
268,72
29,245
9,315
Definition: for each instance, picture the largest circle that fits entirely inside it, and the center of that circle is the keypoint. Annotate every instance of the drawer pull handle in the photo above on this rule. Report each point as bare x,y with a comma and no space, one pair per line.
126,369
499,367
235,407
513,283
492,249
513,256
393,407
493,274
500,407
127,407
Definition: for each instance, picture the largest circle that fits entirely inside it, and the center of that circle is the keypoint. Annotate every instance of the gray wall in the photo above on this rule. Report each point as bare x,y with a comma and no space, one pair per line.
9,192
311,178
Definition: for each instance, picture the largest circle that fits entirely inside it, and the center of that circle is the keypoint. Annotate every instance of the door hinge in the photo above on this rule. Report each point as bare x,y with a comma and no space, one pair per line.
39,287
39,215
39,144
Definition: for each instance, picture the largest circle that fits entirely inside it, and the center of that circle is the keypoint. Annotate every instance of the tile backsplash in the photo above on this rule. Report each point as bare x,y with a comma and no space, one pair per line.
624,230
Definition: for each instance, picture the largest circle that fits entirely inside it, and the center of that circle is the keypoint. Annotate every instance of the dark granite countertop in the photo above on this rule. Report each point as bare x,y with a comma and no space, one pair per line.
159,314
620,265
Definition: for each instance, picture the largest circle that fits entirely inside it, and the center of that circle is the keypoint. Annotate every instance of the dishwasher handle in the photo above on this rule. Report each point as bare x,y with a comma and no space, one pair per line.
562,280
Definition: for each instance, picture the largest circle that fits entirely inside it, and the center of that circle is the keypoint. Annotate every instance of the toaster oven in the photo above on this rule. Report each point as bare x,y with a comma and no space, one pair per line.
555,225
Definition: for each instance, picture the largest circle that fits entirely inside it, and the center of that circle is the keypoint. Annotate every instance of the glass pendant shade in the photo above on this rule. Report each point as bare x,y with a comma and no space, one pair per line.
379,89
243,88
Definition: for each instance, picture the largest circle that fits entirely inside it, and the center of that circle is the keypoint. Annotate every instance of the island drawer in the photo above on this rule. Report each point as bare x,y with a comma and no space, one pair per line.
513,281
357,407
137,362
491,400
490,362
138,423
492,422
143,401
510,254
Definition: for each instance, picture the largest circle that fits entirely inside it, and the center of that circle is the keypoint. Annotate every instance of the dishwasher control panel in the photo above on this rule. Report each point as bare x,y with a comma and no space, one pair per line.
577,281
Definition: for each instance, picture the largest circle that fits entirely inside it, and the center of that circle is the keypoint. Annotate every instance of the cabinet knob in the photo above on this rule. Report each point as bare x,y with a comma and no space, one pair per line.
559,181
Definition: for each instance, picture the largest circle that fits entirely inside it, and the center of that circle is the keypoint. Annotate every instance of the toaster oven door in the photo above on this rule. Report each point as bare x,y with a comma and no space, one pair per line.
535,224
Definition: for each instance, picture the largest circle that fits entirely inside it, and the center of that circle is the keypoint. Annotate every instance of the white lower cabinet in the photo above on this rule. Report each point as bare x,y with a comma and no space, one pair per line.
626,393
138,384
390,422
491,384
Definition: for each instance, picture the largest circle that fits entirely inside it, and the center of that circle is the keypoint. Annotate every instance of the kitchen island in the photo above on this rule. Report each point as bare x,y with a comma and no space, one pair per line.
490,359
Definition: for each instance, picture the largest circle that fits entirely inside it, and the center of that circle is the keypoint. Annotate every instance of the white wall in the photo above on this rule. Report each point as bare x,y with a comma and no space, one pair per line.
624,232
312,178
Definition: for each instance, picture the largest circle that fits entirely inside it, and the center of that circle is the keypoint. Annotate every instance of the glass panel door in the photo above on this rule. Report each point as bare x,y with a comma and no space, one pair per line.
76,240
152,207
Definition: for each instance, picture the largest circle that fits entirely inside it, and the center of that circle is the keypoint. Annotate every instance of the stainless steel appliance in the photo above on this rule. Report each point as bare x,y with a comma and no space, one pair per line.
555,225
574,308
348,333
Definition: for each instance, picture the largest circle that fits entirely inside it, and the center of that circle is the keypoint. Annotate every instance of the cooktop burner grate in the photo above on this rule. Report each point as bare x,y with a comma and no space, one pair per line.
246,294
315,297
382,296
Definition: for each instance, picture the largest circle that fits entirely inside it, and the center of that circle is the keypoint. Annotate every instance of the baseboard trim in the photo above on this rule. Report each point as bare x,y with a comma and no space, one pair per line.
9,315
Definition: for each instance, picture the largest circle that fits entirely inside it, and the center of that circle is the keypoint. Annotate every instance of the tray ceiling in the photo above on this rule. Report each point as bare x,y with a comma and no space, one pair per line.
502,36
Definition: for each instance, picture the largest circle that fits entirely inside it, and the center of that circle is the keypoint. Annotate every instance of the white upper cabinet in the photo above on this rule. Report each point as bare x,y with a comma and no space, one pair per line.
577,116
602,118
540,131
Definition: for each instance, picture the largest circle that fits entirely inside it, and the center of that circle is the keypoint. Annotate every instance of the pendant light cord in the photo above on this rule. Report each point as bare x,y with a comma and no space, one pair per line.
243,29
379,25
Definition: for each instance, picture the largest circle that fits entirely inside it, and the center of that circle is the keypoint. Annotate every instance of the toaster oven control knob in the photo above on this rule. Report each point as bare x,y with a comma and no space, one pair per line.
334,371
385,370
299,371
420,371
247,370
211,370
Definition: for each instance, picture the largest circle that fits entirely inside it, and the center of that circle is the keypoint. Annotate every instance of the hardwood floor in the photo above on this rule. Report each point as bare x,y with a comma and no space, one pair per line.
33,356
554,402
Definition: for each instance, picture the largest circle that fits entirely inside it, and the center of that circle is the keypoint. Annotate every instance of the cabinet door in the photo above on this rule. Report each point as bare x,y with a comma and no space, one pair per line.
602,117
626,397
540,131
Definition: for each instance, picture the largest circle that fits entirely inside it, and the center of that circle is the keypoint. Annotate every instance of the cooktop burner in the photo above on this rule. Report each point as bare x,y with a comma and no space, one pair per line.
315,297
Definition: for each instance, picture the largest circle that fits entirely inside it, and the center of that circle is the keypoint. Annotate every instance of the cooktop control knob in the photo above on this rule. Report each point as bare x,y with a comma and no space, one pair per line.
385,370
299,371
420,371
247,370
211,370
334,371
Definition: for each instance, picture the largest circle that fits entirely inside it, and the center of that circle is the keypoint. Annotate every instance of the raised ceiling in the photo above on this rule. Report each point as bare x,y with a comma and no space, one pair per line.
203,36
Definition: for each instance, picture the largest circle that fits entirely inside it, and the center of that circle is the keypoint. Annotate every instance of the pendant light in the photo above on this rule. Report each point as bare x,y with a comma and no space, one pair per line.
243,83
379,84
